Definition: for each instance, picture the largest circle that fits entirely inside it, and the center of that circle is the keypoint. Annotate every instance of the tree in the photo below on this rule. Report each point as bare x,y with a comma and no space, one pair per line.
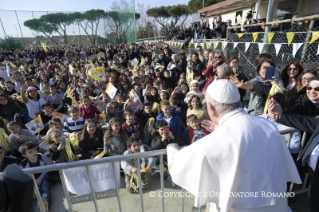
146,26
10,43
169,14
195,5
39,25
120,21
89,22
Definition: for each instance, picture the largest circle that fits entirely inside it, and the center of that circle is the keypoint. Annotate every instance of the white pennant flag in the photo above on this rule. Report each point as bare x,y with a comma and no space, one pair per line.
235,45
318,49
247,46
295,48
261,46
277,47
192,41
225,44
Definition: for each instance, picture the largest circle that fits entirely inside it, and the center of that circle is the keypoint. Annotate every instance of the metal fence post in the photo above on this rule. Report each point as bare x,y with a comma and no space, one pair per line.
117,186
304,50
37,194
66,192
162,180
92,188
140,186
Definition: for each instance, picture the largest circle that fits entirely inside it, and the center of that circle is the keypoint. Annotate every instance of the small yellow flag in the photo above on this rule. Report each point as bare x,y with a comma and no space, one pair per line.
44,47
270,36
255,36
214,44
290,37
240,34
207,45
315,36
189,45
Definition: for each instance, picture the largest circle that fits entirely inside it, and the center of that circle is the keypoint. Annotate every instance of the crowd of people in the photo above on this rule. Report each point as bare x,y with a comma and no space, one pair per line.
170,85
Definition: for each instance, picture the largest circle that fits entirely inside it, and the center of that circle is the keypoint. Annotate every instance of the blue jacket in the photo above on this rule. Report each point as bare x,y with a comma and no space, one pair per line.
174,123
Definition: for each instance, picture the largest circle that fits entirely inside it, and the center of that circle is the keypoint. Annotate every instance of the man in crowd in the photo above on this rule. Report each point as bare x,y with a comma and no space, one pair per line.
220,28
251,157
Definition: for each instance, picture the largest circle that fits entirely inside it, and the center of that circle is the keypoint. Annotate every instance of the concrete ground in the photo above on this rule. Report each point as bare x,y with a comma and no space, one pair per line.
131,202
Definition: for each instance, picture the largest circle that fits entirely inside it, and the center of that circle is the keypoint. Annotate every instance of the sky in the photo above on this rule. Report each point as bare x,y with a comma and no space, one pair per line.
23,8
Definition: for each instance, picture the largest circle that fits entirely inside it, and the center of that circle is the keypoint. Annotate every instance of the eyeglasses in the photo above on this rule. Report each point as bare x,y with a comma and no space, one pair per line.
218,57
305,79
310,88
294,69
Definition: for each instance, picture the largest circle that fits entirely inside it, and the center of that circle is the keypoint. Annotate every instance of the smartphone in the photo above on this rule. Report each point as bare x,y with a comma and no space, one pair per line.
270,71
189,65
63,139
166,129
236,65
180,89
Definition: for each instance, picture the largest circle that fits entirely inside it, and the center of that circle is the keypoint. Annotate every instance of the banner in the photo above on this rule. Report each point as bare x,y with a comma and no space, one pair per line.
247,46
102,175
235,45
255,36
110,90
270,35
136,100
295,48
290,37
277,47
94,75
240,35
315,36
260,46
36,125
44,47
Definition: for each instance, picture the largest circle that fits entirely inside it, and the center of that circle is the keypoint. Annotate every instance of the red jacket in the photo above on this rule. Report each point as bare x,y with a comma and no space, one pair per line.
191,134
90,112
135,128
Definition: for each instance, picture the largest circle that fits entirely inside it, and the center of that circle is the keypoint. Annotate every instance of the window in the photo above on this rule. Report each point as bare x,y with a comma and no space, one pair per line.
238,18
287,6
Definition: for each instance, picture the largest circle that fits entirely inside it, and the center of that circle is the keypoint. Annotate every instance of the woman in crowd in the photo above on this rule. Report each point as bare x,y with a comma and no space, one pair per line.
195,107
223,71
235,69
259,87
290,75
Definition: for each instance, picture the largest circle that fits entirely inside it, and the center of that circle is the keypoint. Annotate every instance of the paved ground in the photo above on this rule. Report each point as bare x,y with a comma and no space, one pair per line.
131,202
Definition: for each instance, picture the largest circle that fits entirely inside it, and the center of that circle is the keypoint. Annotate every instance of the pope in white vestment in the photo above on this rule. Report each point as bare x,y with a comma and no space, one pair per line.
243,165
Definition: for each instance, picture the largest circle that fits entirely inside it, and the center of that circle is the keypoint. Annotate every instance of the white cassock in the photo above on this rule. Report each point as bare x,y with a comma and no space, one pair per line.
245,154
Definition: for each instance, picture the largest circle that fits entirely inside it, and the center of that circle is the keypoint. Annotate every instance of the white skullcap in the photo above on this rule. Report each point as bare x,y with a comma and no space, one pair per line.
223,91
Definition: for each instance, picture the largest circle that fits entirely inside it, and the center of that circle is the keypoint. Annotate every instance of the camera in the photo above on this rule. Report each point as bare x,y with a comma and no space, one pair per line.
16,190
249,15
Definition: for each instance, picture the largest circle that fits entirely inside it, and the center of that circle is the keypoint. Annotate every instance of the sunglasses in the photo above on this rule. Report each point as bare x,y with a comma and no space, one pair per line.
218,57
310,88
198,50
295,69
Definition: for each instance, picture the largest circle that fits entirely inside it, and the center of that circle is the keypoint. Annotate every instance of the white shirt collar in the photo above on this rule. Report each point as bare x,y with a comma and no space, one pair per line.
228,115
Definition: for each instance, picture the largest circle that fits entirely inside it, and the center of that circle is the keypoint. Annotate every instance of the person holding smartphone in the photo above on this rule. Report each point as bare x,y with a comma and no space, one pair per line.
259,87
234,65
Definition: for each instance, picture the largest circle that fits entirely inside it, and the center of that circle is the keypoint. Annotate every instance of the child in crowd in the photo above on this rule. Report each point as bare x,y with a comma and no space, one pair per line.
58,152
88,110
194,90
75,123
131,126
35,159
46,116
164,95
91,140
113,110
167,79
120,101
129,166
18,137
196,107
171,118
10,88
144,115
98,88
55,99
137,89
6,160
194,131
102,104
115,138
124,90
45,91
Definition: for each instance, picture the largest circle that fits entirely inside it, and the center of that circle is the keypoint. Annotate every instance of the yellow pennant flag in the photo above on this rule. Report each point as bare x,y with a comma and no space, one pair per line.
100,155
315,36
207,45
214,44
4,140
270,36
240,34
274,89
290,37
44,47
255,36
189,45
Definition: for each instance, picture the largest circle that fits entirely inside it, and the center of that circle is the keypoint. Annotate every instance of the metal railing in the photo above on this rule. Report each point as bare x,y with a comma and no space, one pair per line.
86,163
